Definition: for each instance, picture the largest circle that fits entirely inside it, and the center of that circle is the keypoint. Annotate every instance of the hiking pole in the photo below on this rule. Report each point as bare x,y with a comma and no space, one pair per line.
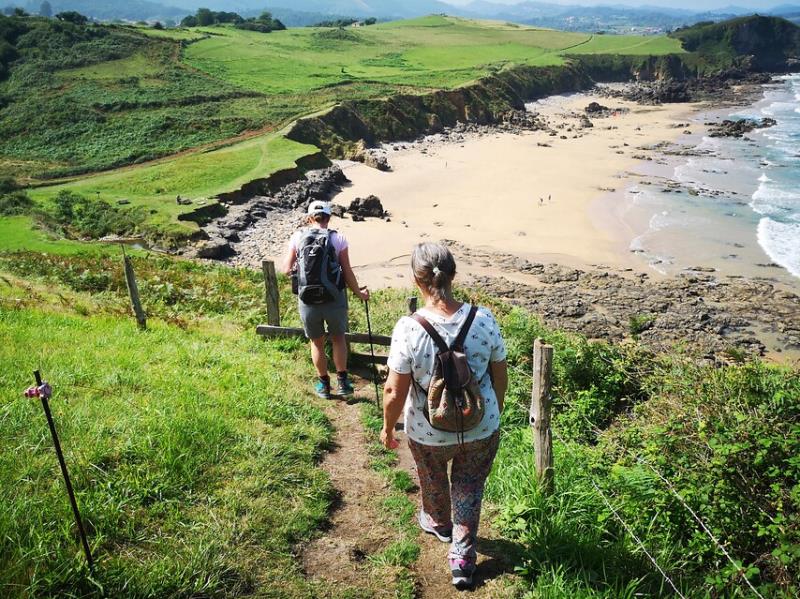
43,392
372,351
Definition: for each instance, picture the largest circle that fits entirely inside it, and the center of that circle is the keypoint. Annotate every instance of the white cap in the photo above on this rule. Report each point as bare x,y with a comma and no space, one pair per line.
319,207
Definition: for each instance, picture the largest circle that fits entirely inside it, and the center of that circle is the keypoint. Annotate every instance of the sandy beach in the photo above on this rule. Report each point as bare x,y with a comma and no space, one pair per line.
548,217
529,194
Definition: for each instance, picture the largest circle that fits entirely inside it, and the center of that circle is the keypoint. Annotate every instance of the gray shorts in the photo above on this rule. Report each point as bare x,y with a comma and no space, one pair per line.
315,317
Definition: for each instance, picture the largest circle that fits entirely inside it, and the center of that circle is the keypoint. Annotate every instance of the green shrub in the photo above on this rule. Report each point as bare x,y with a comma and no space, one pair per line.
83,217
639,323
727,439
15,203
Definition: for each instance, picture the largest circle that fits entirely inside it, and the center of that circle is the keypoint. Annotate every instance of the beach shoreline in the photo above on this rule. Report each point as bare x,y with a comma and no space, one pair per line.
537,187
543,219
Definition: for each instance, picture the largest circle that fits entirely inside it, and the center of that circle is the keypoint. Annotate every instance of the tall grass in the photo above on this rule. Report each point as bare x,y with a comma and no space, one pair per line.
192,453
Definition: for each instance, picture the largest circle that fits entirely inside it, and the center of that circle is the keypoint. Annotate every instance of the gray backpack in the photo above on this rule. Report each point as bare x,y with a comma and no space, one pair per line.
319,275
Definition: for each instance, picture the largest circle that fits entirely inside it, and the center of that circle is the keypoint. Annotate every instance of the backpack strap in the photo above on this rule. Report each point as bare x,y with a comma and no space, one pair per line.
429,328
437,339
458,344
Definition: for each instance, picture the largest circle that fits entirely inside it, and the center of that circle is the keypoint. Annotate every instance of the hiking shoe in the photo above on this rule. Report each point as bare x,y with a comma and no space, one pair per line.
424,524
462,571
345,389
323,389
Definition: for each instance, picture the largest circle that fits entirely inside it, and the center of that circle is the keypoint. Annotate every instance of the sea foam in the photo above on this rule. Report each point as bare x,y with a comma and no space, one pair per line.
781,242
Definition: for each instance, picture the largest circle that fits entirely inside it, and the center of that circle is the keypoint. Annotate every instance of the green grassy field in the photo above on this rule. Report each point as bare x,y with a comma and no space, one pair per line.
428,53
20,233
198,176
123,96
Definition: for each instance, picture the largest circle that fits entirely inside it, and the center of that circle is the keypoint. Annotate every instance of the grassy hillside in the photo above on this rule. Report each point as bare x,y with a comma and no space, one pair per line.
86,98
81,99
198,176
193,448
192,452
762,42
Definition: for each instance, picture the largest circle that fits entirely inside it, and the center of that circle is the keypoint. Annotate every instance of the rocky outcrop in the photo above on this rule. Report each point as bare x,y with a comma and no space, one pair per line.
728,87
223,233
361,208
276,181
695,309
739,127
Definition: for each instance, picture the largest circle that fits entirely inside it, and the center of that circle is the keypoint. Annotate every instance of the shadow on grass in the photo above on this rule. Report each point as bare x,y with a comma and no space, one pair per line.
609,569
503,556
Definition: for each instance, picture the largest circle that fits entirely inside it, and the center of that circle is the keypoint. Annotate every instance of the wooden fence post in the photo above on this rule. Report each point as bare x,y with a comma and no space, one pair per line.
541,402
412,305
271,293
133,291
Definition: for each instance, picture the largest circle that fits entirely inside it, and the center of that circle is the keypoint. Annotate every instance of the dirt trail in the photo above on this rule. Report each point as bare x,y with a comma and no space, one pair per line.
497,557
356,531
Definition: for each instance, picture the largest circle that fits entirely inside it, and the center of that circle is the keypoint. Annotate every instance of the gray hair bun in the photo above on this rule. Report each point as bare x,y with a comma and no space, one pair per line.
434,268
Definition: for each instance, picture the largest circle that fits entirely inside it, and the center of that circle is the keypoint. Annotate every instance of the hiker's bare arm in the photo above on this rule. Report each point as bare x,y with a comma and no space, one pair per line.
394,398
500,381
350,276
289,260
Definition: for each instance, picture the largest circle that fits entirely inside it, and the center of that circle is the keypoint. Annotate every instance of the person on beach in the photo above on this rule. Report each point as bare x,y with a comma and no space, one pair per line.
318,259
450,507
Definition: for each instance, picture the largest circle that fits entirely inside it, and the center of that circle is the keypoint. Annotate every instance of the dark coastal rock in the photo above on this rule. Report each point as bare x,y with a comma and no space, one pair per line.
595,108
364,207
378,161
739,127
696,309
735,86
215,249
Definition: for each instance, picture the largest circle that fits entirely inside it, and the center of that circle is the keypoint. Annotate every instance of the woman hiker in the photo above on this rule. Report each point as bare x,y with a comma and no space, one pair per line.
322,260
450,508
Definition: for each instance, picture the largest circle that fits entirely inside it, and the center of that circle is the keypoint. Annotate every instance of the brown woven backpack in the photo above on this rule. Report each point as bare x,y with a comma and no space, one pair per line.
454,401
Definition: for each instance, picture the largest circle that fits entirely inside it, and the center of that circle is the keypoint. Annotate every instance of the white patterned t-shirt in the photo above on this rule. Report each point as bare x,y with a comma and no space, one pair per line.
413,351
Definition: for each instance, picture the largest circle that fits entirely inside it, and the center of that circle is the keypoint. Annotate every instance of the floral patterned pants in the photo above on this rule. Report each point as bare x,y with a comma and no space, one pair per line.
455,503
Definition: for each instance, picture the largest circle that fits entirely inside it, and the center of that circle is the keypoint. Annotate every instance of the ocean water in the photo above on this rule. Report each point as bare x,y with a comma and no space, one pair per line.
742,214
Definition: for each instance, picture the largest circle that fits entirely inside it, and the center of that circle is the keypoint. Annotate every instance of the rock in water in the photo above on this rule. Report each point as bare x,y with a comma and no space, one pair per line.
738,128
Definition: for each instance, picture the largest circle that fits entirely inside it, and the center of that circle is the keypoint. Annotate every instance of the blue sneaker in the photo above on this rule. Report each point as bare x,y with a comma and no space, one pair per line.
345,389
323,389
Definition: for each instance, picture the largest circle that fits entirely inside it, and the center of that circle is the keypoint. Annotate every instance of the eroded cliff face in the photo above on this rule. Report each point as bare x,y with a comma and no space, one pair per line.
728,50
345,130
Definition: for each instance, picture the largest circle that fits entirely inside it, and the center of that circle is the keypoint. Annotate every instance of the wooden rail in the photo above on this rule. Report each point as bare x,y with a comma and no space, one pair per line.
270,331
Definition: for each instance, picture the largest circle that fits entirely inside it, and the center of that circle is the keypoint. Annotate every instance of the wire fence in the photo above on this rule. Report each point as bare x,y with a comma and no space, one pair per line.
628,528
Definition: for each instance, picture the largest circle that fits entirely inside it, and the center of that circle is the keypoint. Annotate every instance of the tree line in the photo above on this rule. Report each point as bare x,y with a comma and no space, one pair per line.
345,22
205,17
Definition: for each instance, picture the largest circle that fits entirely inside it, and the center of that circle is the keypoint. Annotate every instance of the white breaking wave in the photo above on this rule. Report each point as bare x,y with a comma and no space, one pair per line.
772,201
781,242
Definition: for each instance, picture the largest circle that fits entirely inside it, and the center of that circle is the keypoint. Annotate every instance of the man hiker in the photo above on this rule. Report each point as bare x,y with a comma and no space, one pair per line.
318,259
